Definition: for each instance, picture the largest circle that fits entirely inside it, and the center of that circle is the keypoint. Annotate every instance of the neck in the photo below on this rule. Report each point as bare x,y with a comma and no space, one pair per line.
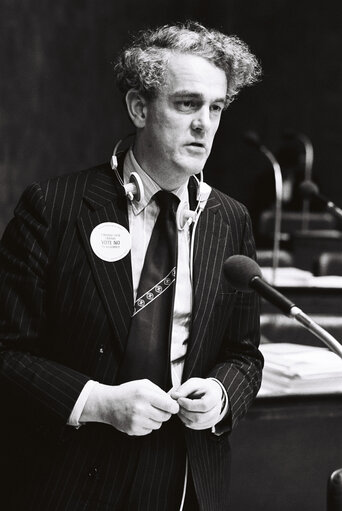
167,179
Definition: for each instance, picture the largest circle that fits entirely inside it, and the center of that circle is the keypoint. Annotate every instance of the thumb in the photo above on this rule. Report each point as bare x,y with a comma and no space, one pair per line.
191,387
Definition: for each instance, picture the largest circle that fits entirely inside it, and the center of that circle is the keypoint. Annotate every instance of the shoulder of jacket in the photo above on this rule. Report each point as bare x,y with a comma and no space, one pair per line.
63,195
70,180
228,204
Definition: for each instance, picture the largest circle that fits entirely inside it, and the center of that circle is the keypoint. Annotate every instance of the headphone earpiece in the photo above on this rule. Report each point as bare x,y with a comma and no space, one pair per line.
184,216
114,162
134,189
203,192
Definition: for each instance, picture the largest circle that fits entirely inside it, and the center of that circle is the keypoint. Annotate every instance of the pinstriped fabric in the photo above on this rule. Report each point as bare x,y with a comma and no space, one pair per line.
24,262
234,317
224,340
64,318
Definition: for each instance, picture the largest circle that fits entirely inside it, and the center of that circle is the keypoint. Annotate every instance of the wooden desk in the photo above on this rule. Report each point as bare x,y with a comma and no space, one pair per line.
284,450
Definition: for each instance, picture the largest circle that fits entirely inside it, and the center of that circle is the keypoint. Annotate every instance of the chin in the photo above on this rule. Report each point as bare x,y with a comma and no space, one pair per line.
194,167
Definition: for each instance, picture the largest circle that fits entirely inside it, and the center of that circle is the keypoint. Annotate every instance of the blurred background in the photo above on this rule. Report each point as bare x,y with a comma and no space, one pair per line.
60,111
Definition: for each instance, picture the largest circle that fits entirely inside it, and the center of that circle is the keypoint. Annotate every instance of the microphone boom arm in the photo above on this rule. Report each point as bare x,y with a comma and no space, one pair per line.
290,309
244,274
318,331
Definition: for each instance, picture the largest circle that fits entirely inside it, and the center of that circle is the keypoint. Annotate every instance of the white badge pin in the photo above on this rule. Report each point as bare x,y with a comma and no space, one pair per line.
110,241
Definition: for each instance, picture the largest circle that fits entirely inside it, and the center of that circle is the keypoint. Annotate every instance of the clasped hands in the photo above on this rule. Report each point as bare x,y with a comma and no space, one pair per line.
139,407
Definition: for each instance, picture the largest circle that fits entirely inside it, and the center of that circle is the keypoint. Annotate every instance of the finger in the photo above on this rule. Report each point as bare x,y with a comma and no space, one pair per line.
158,415
202,405
145,424
164,403
200,418
200,424
200,427
197,425
145,411
184,419
190,387
156,396
159,398
138,432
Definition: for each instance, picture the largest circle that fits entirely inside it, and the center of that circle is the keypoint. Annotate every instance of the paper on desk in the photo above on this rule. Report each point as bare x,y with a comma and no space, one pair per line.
286,276
334,281
297,369
294,277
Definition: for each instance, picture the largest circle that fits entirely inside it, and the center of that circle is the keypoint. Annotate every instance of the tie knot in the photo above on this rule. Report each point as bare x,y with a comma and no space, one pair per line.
167,201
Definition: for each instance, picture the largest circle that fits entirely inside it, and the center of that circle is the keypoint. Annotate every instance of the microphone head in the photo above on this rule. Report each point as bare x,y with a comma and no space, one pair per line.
308,189
252,138
239,271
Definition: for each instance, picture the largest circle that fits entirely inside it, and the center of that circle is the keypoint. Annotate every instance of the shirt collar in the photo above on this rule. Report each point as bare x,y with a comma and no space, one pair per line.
150,186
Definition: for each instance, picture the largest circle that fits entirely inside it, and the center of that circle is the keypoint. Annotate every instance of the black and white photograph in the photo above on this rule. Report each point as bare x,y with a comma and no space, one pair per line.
171,255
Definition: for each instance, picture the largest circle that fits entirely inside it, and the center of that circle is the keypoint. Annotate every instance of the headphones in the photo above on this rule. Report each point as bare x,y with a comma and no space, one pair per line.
134,191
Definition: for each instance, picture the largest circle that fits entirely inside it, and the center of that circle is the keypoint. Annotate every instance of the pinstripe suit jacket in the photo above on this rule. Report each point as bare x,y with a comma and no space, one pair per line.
64,318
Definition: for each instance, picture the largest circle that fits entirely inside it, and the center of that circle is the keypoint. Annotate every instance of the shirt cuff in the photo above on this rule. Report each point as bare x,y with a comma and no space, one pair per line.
76,412
225,403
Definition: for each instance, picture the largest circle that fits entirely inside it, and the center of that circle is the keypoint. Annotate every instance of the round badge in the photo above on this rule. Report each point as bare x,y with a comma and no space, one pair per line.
110,241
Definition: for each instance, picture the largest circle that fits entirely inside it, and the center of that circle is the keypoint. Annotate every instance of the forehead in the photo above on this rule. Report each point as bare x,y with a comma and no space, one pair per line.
186,72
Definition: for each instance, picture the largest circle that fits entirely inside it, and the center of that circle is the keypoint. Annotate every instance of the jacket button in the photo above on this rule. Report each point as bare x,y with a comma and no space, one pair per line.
101,349
93,473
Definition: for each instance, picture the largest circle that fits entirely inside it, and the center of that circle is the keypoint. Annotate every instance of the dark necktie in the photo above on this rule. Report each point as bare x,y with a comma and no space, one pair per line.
147,352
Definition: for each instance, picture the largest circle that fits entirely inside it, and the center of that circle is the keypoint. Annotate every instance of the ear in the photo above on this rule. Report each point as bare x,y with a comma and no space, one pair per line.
136,106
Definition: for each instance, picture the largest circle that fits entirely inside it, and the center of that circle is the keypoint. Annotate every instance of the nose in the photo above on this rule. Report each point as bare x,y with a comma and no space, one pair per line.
201,120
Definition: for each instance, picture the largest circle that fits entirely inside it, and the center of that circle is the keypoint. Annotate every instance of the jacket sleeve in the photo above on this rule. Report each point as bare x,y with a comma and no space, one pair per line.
34,389
240,365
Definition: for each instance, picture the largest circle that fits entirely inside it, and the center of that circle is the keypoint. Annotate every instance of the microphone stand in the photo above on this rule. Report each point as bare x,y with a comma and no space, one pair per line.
278,180
308,175
308,163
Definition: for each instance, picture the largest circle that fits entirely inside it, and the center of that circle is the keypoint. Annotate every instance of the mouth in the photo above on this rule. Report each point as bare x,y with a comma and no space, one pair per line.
197,146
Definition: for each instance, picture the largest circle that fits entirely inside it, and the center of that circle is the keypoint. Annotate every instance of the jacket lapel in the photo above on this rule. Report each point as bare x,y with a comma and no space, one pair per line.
209,253
106,202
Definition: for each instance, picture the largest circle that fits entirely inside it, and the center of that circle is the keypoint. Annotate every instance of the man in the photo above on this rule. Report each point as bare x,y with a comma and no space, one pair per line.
115,408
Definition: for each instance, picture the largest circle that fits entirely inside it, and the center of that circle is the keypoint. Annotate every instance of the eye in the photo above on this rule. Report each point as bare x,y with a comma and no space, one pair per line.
217,109
187,105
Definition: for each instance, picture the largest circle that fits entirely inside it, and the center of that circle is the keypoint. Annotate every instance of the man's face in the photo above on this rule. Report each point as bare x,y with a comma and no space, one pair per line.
180,124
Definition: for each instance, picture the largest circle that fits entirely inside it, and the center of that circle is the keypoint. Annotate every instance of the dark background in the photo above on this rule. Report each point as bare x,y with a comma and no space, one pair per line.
60,111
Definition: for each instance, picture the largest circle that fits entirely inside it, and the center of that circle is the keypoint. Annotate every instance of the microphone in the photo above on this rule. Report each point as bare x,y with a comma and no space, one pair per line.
308,189
252,139
244,274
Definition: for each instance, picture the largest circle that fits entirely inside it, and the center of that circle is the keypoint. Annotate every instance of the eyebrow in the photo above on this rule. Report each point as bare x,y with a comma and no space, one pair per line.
195,95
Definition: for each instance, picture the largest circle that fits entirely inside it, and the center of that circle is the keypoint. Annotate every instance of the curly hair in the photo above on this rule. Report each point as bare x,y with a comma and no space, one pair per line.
143,64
